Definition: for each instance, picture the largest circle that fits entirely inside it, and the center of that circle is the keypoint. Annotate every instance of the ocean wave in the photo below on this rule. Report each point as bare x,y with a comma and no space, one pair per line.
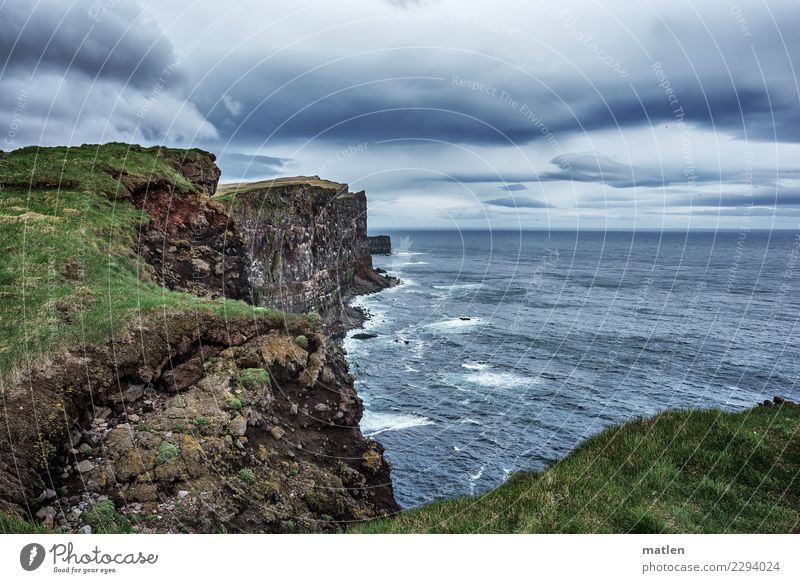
454,325
374,423
459,286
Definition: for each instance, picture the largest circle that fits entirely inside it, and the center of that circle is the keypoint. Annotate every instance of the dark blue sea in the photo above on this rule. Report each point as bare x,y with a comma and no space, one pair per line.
502,350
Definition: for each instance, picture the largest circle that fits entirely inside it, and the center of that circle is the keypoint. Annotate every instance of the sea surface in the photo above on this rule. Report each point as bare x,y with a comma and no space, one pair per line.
502,350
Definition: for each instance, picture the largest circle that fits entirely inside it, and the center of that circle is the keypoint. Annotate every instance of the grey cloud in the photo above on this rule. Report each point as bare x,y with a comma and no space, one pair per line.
513,187
117,42
517,202
250,166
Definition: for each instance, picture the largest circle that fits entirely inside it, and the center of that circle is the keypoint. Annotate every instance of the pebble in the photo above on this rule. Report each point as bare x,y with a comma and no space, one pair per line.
85,529
183,494
277,432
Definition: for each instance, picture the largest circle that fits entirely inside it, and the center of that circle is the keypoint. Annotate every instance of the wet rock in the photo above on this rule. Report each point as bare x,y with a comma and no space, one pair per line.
364,336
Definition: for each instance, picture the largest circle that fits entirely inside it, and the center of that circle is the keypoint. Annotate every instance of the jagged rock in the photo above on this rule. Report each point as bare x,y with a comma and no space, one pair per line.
277,432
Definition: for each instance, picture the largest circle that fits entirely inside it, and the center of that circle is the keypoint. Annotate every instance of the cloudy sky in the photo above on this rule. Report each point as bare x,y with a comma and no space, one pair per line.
450,113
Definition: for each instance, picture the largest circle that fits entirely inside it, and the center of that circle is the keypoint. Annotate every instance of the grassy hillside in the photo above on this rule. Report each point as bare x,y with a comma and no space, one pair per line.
66,233
678,472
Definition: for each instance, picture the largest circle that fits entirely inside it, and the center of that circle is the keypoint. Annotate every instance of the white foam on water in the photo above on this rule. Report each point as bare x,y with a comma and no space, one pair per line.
474,478
374,423
414,263
499,379
476,365
457,286
453,326
409,253
469,420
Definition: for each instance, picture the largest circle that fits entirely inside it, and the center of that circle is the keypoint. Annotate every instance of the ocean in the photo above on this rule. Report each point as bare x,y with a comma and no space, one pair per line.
502,350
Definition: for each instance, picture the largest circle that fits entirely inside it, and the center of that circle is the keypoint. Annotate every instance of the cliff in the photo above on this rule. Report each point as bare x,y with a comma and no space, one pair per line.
149,393
307,243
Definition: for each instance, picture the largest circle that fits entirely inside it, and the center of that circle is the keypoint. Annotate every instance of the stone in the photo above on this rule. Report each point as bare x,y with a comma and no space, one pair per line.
320,407
47,494
85,529
277,432
238,426
85,448
293,409
74,515
102,414
183,494
84,466
364,336
75,438
779,400
47,516
131,394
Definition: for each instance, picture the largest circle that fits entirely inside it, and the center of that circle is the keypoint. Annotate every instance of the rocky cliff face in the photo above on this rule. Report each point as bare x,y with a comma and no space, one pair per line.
293,244
307,239
187,421
206,426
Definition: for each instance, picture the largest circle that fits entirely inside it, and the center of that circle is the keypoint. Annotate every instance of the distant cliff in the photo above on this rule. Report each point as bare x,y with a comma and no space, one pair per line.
158,389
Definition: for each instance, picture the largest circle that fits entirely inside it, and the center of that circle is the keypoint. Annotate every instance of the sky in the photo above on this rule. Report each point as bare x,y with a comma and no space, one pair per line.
449,113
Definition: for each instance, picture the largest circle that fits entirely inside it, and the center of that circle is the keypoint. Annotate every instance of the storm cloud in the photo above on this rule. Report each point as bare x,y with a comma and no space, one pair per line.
580,106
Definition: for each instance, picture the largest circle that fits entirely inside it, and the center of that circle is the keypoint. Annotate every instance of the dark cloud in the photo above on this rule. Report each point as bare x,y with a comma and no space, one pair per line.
117,42
236,166
517,202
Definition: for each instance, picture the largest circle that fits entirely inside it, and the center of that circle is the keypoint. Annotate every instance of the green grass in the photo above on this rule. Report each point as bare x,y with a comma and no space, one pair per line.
254,378
10,524
247,475
68,272
166,452
104,519
678,472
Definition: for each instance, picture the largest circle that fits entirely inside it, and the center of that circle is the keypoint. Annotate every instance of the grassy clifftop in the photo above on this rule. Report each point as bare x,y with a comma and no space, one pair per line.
67,234
678,472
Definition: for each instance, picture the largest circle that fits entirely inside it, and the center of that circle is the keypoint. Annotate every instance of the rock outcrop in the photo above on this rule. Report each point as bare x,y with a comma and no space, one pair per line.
380,245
